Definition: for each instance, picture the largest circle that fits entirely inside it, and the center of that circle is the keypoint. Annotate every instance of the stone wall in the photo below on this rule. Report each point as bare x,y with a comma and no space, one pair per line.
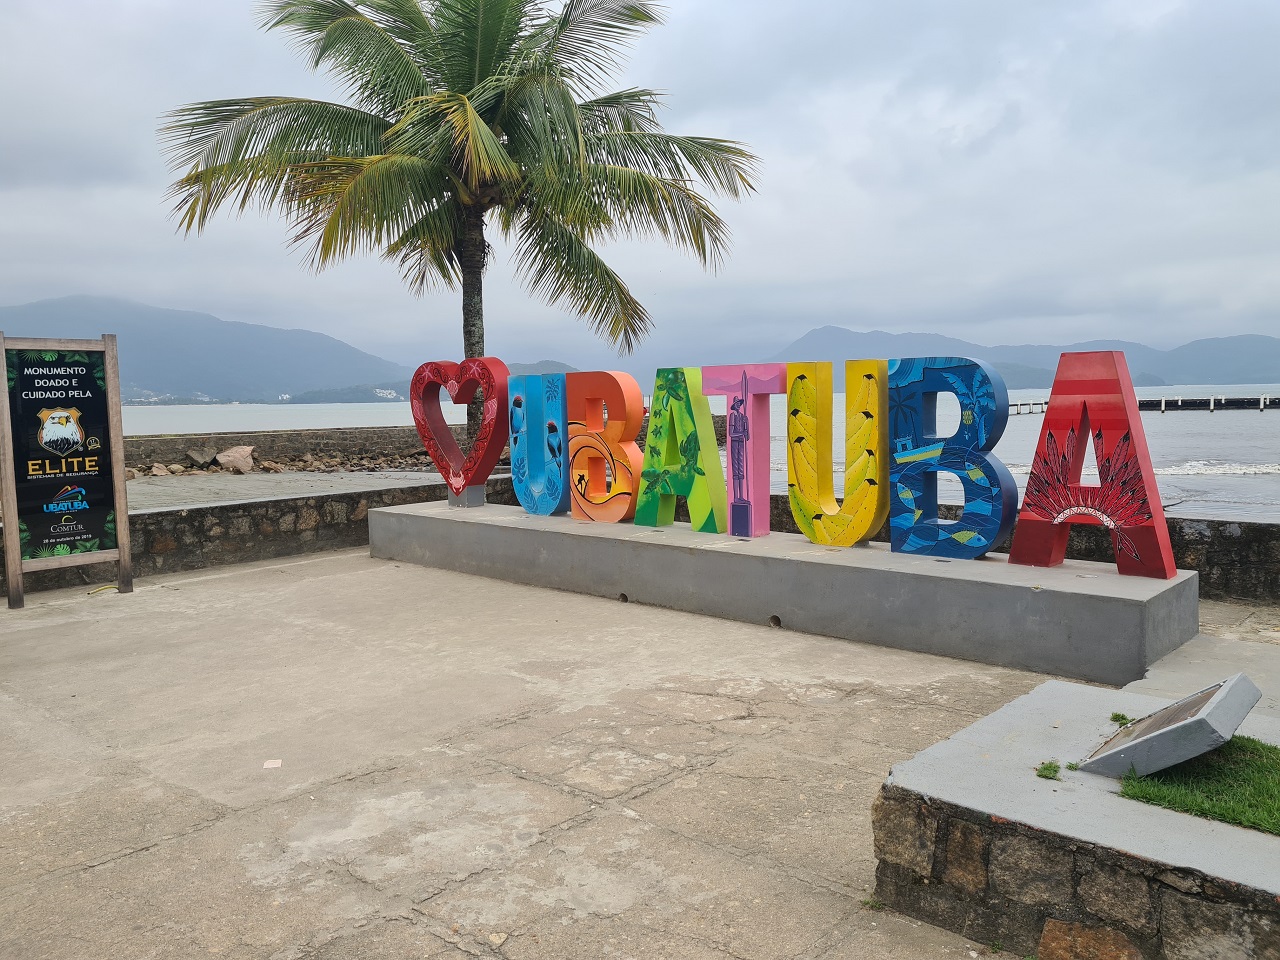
277,444
1036,893
168,541
1236,560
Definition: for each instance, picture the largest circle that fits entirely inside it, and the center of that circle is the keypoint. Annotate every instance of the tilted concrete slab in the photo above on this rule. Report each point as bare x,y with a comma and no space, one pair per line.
1185,729
989,767
1079,620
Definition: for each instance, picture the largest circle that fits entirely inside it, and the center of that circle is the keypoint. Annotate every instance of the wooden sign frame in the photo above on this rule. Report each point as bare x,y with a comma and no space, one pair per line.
15,566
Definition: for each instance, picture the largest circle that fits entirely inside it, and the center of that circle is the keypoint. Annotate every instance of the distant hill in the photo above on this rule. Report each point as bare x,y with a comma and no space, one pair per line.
185,354
397,391
542,366
1220,360
169,354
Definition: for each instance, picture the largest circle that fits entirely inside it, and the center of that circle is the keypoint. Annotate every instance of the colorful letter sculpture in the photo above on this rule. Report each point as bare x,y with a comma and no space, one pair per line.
539,439
747,389
1093,395
604,458
573,447
680,456
918,454
461,380
810,484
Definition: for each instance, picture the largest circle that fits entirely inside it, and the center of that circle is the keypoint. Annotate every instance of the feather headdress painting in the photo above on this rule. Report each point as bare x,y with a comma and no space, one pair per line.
1119,501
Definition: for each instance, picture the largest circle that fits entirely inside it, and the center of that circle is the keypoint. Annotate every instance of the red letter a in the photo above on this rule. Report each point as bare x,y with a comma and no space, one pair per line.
1093,396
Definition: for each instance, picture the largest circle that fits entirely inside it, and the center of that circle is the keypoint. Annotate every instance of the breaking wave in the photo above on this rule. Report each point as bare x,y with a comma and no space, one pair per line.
1217,468
1191,468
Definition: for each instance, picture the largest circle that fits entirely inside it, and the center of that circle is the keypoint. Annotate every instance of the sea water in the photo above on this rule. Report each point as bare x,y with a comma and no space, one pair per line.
1223,465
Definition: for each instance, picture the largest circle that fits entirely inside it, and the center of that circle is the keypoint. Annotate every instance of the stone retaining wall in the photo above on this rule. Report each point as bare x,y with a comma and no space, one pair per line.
1036,893
192,538
1236,560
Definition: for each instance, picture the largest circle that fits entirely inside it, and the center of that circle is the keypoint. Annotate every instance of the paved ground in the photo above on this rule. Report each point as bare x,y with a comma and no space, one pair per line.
464,766
1234,638
1240,621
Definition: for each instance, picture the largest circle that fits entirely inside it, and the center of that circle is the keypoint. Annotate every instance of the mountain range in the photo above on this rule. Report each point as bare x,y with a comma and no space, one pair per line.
1249,358
167,355
179,353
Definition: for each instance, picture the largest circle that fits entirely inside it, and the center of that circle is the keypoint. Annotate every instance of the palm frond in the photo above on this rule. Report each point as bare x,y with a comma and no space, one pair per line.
641,204
570,194
381,69
478,155
541,121
427,251
244,148
588,38
353,205
408,23
634,109
559,266
478,37
725,166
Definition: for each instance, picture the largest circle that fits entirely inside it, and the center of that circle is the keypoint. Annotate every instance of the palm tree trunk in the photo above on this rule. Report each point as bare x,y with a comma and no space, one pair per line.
471,258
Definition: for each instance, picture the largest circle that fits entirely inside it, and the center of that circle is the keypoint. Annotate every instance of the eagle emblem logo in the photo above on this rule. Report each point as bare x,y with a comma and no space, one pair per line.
60,431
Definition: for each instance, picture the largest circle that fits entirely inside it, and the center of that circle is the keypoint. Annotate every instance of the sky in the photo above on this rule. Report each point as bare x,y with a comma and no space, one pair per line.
1003,172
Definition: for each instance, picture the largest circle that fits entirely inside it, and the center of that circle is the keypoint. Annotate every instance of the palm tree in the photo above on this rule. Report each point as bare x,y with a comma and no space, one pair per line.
459,108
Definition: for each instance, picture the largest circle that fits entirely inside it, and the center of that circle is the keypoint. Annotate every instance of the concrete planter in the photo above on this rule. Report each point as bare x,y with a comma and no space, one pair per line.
968,838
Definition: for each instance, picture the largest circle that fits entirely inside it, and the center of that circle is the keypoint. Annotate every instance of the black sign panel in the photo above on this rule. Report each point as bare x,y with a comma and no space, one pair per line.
62,452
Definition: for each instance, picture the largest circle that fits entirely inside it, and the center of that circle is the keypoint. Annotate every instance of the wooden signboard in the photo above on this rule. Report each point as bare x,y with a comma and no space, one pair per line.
62,490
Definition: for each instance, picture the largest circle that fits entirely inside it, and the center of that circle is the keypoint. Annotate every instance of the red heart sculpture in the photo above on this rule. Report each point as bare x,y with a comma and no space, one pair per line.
461,380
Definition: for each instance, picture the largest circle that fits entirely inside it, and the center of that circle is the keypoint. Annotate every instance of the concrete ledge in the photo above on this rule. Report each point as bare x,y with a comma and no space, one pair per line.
1078,620
970,839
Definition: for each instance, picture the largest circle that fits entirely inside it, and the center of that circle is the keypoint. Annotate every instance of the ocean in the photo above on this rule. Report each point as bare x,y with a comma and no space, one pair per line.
1223,465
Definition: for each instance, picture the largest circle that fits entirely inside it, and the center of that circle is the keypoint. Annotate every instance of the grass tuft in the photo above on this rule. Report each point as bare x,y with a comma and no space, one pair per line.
1049,770
1073,765
1121,719
873,903
1238,783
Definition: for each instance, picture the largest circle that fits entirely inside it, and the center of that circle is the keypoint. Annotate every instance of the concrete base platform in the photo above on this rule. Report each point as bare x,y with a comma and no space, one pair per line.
1078,620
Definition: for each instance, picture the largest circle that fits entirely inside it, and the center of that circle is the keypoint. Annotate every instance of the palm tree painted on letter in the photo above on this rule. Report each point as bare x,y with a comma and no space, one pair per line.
460,108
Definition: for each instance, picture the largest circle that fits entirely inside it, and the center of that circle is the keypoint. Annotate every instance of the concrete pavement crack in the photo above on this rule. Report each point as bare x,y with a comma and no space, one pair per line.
760,860
226,813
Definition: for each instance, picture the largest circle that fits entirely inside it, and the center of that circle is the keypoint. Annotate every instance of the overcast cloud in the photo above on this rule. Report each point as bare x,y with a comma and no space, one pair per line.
999,171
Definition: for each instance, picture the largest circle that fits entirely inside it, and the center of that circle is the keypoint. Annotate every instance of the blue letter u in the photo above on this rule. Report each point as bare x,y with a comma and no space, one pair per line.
539,442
